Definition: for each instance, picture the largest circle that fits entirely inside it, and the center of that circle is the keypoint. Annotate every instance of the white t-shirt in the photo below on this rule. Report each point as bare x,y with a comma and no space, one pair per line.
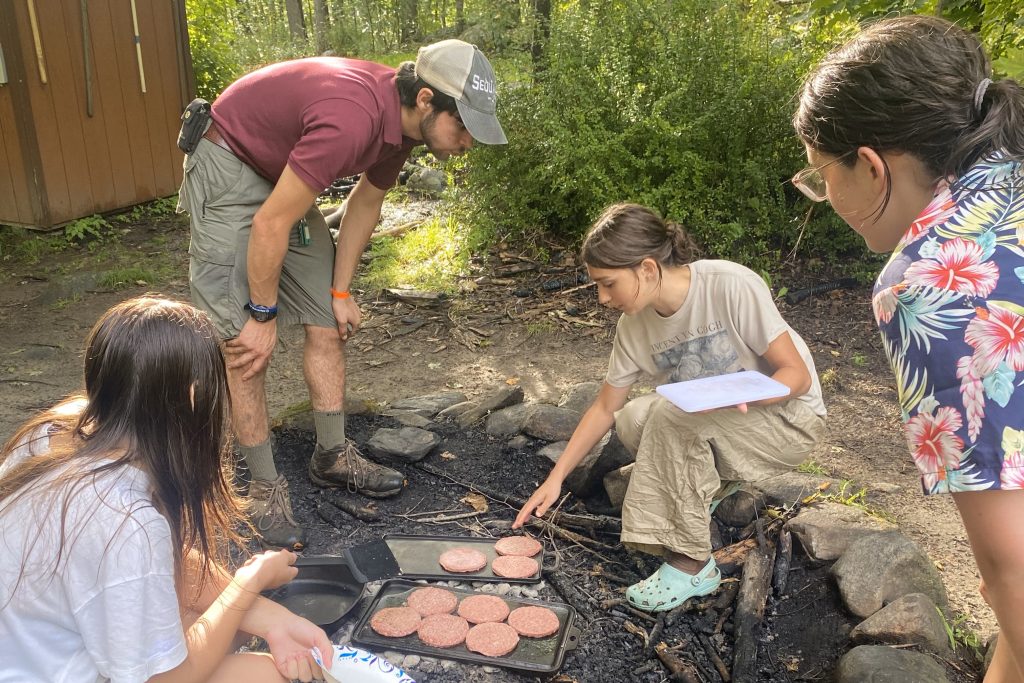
725,325
110,612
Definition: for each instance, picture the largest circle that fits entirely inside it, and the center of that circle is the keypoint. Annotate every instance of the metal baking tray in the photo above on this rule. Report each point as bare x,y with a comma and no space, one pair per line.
324,591
532,655
415,557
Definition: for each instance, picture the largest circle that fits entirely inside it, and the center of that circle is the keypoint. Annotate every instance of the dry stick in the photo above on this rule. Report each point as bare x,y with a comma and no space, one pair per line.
360,512
709,647
442,519
680,669
783,559
757,577
656,630
731,557
570,594
397,230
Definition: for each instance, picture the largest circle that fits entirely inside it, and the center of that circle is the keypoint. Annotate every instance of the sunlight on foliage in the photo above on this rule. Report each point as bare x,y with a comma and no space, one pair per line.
430,257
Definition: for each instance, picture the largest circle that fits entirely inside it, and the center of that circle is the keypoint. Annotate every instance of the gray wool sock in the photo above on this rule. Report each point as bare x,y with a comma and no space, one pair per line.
330,429
260,460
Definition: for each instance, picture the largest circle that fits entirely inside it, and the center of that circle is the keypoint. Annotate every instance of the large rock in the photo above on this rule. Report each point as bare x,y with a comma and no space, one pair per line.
551,423
580,396
431,404
509,421
882,567
408,418
408,443
912,620
789,487
609,454
453,412
502,398
881,664
740,508
826,530
427,181
615,484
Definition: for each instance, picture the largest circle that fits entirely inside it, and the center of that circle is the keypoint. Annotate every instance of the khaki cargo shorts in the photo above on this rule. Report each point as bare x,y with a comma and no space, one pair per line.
221,194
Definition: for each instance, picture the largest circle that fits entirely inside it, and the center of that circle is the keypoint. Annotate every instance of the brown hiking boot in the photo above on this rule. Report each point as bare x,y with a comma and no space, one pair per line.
272,514
346,467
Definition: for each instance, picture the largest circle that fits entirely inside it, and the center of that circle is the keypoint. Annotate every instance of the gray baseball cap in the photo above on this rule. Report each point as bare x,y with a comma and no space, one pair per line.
461,71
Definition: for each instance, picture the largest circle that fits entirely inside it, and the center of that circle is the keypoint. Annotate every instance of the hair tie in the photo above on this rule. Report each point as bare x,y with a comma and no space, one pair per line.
979,95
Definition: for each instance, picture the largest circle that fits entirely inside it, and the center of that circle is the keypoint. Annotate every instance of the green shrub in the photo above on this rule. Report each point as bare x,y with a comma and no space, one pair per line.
681,105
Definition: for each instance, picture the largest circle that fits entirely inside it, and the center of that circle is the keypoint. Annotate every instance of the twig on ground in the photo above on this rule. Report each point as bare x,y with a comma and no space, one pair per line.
636,631
442,519
655,634
364,513
709,647
680,669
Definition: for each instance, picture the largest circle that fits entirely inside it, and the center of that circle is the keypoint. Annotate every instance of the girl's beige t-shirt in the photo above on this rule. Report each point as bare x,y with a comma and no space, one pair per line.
725,325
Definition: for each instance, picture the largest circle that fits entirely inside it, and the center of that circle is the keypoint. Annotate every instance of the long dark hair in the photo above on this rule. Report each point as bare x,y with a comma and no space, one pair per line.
155,398
916,84
625,234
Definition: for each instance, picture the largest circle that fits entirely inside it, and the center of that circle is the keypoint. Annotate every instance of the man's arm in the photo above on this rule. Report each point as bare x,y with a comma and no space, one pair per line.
268,244
362,211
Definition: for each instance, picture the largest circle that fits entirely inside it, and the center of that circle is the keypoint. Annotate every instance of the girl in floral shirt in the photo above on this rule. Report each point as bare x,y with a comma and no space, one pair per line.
920,151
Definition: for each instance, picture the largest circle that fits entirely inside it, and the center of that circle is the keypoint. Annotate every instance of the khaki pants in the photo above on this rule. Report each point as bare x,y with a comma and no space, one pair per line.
682,460
221,194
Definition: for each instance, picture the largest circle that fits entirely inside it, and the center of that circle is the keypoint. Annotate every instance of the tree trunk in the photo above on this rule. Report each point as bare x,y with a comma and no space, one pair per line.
408,21
296,21
541,32
460,15
320,24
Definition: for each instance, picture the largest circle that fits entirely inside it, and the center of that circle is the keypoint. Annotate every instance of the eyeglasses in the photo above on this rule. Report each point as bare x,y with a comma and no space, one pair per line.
811,182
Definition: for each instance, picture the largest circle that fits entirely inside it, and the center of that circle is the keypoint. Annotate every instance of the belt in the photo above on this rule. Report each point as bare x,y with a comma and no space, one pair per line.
213,135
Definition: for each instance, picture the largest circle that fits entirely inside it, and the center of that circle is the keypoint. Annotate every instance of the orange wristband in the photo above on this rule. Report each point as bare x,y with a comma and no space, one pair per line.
340,295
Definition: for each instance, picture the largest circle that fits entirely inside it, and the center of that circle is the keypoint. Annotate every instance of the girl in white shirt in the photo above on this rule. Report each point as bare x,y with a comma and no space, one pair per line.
116,515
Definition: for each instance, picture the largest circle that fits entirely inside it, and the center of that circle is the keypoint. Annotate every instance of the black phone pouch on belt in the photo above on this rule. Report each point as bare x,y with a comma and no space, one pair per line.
194,122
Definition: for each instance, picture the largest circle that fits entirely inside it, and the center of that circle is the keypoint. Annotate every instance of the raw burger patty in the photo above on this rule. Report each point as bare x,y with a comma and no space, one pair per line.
462,560
432,600
479,609
518,545
514,567
395,622
534,622
443,630
492,640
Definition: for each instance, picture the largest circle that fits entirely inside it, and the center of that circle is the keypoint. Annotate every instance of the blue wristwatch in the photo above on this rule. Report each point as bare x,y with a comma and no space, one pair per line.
261,314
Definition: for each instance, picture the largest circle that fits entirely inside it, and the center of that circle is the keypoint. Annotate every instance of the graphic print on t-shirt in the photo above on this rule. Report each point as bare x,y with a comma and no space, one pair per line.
705,356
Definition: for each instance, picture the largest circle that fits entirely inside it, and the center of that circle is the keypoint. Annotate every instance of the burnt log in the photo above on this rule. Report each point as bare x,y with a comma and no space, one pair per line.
749,614
783,559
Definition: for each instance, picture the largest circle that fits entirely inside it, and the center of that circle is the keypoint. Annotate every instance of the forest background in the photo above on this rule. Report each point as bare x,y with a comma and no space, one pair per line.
683,105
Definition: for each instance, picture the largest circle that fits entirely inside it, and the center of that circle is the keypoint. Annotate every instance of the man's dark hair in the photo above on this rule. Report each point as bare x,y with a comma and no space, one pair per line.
409,86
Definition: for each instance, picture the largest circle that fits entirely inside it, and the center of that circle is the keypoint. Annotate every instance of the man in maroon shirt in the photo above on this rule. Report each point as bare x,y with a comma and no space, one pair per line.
260,249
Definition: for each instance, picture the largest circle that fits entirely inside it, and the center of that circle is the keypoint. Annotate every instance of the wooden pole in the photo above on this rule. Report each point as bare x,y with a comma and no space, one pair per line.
87,58
40,59
138,46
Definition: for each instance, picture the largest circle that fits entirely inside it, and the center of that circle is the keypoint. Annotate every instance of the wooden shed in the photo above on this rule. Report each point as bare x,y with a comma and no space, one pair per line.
90,95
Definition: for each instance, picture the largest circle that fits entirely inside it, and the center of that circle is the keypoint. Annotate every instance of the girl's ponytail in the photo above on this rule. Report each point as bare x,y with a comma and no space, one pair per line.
998,126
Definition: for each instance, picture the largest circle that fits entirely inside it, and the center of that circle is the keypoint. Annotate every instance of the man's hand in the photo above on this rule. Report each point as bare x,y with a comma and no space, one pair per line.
252,347
346,312
290,642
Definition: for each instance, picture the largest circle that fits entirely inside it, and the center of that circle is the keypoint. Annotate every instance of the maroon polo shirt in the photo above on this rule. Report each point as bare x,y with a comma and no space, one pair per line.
325,117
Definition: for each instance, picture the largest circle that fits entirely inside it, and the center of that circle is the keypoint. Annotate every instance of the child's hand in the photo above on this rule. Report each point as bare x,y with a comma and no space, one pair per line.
268,570
542,499
290,642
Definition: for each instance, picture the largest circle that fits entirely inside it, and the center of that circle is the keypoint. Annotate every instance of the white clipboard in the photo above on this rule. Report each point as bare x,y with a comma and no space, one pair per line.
708,393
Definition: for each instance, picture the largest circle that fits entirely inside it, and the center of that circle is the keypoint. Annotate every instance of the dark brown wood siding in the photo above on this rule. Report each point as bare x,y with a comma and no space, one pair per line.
62,163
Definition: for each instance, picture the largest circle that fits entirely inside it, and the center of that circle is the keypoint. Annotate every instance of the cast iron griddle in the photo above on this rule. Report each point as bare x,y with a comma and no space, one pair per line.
532,655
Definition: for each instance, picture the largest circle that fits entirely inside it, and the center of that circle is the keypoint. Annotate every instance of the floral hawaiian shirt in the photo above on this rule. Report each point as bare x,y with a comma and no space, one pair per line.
950,306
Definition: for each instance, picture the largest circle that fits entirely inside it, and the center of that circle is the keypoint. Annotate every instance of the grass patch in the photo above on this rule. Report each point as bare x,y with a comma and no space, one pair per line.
811,467
960,635
829,379
122,278
851,496
430,257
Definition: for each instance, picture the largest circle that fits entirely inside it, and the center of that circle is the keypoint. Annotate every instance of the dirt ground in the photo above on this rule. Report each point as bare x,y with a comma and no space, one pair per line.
546,341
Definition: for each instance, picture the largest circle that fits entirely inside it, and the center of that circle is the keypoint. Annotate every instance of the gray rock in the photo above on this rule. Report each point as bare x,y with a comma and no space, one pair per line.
410,419
740,508
502,588
411,661
609,454
826,530
882,567
427,181
430,403
360,405
789,487
912,620
615,484
68,288
580,396
551,423
509,421
518,443
407,443
990,652
452,412
502,398
553,451
881,664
